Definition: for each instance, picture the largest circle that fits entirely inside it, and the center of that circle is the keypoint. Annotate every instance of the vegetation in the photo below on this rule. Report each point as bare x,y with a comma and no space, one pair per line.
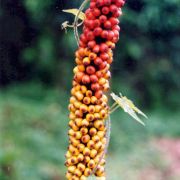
35,80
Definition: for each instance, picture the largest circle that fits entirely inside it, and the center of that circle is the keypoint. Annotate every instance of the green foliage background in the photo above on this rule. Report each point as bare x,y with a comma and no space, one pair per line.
36,64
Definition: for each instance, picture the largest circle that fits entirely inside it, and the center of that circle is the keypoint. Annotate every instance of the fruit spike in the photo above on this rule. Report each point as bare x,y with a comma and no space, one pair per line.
88,103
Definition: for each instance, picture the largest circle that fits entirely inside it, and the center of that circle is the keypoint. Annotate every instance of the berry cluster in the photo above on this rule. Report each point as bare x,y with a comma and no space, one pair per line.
88,104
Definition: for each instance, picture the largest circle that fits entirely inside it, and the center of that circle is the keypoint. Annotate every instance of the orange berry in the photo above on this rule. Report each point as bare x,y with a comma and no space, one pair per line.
77,172
85,138
87,100
93,153
78,121
85,122
91,109
86,159
86,61
90,144
83,89
93,99
92,131
89,93
83,108
87,172
79,95
90,117
80,147
91,164
81,68
81,167
71,169
84,130
96,138
79,114
86,151
78,76
92,56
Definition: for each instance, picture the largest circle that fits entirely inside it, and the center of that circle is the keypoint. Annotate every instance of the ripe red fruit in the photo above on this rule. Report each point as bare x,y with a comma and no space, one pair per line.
103,18
98,61
93,78
96,49
107,2
95,86
96,12
92,5
113,8
116,33
103,47
103,65
104,34
110,35
105,10
90,36
89,23
99,74
98,94
107,25
114,21
104,56
85,79
119,3
91,44
89,15
117,13
97,31
116,27
83,38
81,44
96,23
90,70
99,3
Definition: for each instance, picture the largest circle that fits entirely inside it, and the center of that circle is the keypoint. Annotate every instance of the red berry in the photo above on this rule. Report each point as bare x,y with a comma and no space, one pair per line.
103,47
89,23
107,2
113,8
95,86
85,79
103,18
96,12
116,33
82,44
117,13
99,74
98,61
116,27
119,3
98,94
103,65
99,3
114,21
104,56
83,38
91,44
97,31
93,78
90,36
96,23
105,10
104,34
90,70
92,5
96,49
110,35
107,25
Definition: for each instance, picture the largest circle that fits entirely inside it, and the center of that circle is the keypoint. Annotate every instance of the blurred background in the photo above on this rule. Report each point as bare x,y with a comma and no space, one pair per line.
36,62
